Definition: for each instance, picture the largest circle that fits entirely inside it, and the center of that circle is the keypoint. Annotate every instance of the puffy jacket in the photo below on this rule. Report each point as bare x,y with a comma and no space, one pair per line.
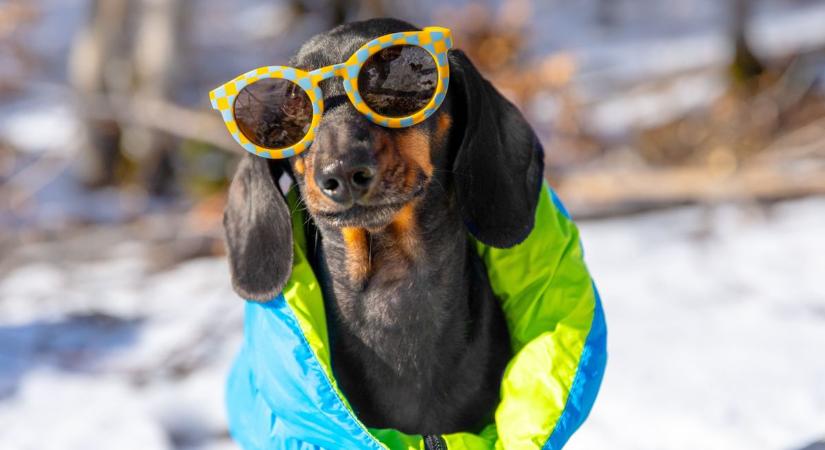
282,393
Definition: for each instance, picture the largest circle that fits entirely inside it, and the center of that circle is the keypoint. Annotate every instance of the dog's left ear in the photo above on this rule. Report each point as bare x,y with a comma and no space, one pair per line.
258,230
499,163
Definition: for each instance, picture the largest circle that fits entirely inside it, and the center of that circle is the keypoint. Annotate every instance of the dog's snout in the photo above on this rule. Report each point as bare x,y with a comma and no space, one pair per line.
345,183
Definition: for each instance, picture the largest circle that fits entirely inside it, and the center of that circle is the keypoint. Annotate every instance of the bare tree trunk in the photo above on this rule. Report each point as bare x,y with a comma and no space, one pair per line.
606,12
128,48
373,8
338,11
98,49
156,72
298,8
745,67
344,10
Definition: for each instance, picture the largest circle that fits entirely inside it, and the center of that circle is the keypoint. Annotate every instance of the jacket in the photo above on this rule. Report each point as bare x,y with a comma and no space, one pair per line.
282,393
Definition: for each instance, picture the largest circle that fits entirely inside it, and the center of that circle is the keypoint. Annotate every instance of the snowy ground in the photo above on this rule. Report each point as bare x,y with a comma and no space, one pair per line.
716,325
108,355
716,320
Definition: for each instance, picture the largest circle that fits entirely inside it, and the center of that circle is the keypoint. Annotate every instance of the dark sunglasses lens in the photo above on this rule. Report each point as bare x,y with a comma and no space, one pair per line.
273,113
398,81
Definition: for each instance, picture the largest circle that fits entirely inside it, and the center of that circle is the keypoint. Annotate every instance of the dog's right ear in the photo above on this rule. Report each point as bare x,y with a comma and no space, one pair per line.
258,230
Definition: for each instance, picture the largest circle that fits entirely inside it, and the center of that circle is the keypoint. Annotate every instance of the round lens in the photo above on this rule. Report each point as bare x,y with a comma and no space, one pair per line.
273,113
398,81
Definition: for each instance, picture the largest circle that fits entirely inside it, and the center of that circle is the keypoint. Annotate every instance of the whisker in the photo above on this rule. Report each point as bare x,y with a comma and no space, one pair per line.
439,184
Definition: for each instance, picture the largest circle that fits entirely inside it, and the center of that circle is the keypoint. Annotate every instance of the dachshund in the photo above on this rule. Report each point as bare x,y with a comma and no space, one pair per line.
418,339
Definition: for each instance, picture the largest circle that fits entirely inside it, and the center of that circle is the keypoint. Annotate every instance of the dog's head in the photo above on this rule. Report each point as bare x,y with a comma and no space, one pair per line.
477,147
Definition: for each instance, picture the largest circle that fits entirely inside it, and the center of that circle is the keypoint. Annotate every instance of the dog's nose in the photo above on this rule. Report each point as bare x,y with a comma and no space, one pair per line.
344,183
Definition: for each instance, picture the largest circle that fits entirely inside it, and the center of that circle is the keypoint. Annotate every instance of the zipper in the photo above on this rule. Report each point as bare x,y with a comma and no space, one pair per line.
434,442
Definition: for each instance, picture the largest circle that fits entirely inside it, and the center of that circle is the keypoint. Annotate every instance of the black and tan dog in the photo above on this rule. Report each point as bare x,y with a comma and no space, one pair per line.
419,342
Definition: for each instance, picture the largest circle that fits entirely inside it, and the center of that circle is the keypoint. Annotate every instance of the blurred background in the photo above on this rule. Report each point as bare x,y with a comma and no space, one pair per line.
686,136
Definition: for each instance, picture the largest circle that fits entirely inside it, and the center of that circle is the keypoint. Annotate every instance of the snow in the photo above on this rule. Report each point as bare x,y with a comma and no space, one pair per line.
47,127
657,39
71,412
107,354
649,38
716,319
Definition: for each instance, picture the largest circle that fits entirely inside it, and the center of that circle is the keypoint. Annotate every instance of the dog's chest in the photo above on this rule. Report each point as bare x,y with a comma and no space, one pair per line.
430,341
402,313
422,332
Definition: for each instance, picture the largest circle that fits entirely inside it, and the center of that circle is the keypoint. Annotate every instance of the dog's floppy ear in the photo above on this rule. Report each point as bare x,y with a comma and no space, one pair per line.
499,164
258,230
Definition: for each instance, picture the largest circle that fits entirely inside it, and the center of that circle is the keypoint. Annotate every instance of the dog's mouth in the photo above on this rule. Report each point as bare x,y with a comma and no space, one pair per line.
371,215
362,216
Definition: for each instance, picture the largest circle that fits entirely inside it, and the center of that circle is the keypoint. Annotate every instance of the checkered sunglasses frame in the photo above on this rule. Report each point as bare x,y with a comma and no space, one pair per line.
435,40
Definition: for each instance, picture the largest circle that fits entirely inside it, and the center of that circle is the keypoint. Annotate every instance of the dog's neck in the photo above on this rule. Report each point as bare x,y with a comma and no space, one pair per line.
397,281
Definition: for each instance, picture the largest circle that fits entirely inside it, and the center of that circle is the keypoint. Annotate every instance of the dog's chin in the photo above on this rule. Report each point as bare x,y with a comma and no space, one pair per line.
373,217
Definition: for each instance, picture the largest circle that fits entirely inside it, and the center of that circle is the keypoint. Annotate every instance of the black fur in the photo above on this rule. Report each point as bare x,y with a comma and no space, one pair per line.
258,231
499,166
422,344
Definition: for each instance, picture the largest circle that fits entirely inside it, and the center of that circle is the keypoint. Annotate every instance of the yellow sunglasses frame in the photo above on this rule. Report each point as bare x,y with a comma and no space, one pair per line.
435,40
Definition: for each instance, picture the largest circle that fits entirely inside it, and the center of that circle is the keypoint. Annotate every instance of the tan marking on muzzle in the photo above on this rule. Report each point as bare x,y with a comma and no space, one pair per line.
405,230
357,247
298,165
445,121
414,146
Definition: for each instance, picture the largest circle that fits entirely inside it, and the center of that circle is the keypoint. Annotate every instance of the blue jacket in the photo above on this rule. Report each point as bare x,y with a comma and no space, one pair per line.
282,393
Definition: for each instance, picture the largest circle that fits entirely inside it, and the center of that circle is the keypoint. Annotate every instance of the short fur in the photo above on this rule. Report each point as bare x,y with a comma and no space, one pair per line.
419,341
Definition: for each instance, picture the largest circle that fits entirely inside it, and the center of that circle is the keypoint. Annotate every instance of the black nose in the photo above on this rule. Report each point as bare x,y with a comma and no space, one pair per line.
344,183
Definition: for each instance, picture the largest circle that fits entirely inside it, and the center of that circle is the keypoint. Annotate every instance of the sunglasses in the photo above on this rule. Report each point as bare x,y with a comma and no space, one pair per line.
396,81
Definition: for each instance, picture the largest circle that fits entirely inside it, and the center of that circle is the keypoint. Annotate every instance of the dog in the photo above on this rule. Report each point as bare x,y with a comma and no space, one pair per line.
419,341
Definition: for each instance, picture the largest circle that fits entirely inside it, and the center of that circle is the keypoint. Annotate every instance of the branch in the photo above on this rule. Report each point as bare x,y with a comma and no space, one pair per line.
155,113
